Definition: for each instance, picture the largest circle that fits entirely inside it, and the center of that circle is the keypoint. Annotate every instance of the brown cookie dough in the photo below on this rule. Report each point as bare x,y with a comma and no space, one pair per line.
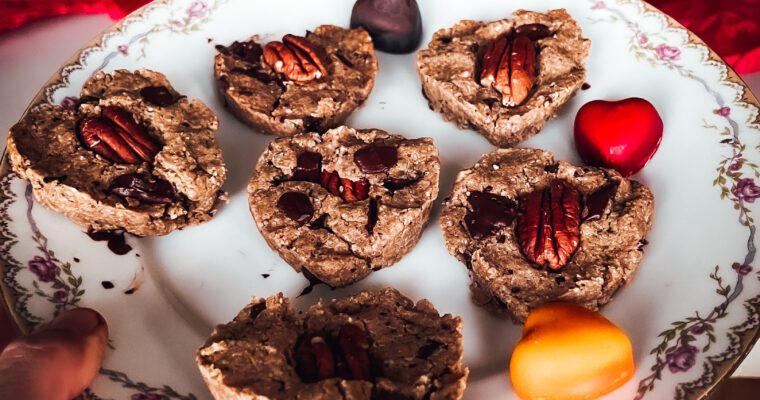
375,345
481,226
272,104
449,70
176,187
345,203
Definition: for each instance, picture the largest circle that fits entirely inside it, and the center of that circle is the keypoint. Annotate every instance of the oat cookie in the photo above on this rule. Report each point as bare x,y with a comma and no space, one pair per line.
375,345
131,154
299,84
345,203
470,73
532,230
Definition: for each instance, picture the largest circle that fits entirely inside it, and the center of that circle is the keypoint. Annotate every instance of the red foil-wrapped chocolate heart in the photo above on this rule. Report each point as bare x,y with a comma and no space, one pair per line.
623,135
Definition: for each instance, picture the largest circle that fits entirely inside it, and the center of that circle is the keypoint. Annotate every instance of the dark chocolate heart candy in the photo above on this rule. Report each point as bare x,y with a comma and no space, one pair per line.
488,213
395,25
297,206
375,159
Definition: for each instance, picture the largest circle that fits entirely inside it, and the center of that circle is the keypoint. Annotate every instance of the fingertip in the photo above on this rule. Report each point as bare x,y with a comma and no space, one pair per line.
78,321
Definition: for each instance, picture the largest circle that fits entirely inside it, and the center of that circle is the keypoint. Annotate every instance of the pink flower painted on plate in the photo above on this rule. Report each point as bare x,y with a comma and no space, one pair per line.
45,269
682,358
746,189
735,166
723,111
742,269
123,49
667,53
197,9
643,38
598,5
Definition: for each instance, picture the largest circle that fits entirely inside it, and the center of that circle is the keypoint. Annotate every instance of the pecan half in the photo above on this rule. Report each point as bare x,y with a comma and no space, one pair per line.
296,58
116,137
314,360
354,344
350,191
548,225
509,65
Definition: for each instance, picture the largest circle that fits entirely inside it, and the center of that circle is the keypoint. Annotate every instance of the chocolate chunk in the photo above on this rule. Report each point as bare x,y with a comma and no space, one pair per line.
534,31
489,212
428,349
395,25
552,168
257,308
248,51
372,216
393,184
597,202
297,206
342,57
256,73
320,223
144,188
159,96
375,159
308,167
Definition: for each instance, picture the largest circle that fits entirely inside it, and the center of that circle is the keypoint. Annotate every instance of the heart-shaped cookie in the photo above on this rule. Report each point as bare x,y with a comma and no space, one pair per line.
623,134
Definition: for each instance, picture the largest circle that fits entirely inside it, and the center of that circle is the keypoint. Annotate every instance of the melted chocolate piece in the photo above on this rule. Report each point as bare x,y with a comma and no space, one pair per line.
489,213
597,202
158,95
308,167
257,308
534,31
117,243
313,281
145,188
371,216
395,25
585,86
297,206
376,159
552,168
393,184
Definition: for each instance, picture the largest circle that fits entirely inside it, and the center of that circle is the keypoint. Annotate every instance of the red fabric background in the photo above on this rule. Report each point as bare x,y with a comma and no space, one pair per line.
730,27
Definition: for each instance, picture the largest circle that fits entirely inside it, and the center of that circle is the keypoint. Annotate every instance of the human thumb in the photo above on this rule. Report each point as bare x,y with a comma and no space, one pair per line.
57,362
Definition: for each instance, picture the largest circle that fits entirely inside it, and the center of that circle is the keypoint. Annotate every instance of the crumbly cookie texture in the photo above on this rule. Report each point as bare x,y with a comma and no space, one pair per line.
503,280
256,95
44,149
414,352
449,70
343,242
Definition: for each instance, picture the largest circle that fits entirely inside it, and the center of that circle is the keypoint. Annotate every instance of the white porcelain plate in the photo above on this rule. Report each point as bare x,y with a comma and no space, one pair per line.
692,311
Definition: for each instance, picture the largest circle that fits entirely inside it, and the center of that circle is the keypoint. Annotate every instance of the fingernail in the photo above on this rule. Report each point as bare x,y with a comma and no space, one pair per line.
79,321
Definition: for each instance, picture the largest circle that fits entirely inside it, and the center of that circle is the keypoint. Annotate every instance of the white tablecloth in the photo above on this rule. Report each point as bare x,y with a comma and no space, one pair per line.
29,56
